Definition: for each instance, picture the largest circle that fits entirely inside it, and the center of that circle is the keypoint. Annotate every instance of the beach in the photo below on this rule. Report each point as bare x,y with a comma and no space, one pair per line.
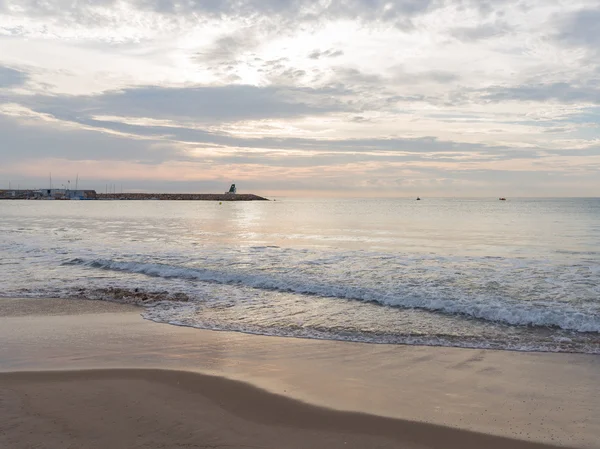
417,268
80,373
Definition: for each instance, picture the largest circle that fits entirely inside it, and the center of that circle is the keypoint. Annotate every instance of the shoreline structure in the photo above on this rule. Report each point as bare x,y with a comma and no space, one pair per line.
57,194
181,196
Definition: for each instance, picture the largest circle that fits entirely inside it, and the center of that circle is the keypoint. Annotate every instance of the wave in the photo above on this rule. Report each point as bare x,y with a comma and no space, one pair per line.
484,307
557,345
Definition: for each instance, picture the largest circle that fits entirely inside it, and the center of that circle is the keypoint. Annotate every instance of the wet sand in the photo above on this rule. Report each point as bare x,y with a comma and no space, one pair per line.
10,307
156,409
425,397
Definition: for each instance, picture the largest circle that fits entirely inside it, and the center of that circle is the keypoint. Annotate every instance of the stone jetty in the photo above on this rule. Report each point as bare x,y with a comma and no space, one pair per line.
181,196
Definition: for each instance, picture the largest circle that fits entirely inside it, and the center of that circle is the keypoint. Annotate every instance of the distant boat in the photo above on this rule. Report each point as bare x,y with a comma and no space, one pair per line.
502,199
418,199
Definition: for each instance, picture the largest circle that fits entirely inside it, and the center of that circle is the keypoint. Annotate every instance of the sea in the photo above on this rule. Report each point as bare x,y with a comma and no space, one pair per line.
521,274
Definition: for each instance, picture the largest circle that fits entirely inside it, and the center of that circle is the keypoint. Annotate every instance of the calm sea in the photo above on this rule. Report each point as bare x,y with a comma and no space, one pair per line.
522,274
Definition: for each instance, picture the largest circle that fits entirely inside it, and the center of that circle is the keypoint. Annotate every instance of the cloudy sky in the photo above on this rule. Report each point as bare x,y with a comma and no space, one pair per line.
298,97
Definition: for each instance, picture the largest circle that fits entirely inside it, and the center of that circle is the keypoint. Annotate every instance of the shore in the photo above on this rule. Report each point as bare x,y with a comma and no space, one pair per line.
80,373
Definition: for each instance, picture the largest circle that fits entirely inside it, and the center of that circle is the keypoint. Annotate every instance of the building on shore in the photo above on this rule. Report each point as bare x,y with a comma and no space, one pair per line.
67,194
48,194
18,194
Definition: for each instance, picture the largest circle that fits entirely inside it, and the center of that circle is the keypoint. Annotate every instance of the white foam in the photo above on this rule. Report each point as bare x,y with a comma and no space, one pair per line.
165,316
584,318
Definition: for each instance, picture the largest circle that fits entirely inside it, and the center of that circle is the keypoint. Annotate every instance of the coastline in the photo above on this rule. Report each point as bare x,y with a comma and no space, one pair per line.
547,398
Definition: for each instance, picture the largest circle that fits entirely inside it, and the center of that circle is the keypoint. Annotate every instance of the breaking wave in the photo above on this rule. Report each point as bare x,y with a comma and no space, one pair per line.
411,295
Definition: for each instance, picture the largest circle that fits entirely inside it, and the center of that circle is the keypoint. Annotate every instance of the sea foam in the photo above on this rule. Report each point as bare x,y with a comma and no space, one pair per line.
455,301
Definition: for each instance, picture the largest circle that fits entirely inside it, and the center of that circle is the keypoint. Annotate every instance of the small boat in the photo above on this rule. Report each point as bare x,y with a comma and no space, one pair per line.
502,199
418,199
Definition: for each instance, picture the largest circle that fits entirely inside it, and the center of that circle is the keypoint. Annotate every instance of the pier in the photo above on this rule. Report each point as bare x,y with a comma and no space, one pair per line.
65,194
181,196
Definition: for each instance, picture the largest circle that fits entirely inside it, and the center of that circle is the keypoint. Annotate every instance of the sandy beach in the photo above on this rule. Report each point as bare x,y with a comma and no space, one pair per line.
88,374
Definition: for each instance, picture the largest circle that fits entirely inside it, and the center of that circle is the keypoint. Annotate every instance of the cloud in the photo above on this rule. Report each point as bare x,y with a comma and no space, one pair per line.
35,139
228,48
399,12
95,13
77,122
288,76
206,103
99,13
403,76
481,31
300,10
392,147
352,75
331,53
153,156
11,77
560,92
279,89
581,28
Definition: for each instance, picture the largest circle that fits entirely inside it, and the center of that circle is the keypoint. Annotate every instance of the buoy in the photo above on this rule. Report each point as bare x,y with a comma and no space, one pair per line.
220,202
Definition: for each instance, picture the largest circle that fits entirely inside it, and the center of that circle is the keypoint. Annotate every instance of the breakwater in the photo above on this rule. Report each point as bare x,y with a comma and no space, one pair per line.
181,196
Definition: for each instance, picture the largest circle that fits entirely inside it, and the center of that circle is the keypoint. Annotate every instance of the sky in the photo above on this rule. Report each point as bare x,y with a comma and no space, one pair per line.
303,98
